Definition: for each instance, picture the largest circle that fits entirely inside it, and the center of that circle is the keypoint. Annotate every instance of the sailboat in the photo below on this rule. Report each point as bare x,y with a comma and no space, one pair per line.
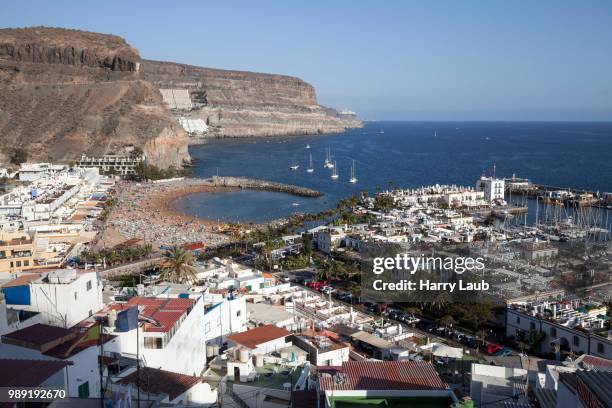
328,163
353,178
310,169
308,146
334,174
294,165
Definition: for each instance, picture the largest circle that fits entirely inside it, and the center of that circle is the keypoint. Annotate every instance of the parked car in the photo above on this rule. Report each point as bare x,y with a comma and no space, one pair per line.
504,352
394,315
467,340
492,348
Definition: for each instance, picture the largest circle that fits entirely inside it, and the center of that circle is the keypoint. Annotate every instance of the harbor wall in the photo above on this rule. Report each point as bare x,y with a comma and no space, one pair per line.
241,182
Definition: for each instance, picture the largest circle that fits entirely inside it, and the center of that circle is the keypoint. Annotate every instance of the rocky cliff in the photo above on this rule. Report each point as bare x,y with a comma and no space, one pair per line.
66,92
239,103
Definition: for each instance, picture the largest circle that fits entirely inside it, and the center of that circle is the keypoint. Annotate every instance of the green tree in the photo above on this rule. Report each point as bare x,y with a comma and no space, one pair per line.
177,266
18,156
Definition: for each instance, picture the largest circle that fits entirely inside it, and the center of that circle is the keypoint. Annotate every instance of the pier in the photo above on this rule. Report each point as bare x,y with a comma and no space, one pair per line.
560,195
254,184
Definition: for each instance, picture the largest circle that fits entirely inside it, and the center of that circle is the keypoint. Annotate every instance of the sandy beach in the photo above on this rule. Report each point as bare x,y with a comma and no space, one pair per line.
145,210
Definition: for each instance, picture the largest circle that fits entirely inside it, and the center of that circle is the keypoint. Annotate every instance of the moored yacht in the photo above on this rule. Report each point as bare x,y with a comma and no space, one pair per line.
334,174
310,169
328,163
353,178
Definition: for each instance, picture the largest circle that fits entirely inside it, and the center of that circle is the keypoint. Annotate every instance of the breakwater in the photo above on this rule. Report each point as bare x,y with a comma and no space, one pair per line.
254,184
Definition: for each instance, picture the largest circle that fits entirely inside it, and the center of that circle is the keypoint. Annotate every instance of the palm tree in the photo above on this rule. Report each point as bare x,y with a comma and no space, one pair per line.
177,266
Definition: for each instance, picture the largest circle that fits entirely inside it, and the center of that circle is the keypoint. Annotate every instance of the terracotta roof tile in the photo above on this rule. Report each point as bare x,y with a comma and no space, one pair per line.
262,334
383,375
19,373
158,381
38,335
167,311
22,280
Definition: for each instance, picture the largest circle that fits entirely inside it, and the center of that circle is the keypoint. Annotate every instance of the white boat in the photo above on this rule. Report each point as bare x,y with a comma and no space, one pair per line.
307,146
334,174
328,163
310,169
353,178
294,165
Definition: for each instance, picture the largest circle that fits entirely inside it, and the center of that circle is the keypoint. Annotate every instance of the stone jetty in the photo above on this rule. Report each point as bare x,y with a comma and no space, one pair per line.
254,184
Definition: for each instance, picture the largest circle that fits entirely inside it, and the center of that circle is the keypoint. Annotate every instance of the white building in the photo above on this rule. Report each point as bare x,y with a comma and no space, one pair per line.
63,297
171,337
322,350
464,198
493,188
51,343
262,340
557,336
328,239
35,171
166,387
224,317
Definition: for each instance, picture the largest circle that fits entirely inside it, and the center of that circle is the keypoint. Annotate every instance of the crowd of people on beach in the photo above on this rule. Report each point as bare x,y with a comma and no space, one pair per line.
144,210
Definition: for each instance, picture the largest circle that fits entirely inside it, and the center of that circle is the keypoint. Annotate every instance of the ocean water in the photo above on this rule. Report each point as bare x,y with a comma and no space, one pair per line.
406,154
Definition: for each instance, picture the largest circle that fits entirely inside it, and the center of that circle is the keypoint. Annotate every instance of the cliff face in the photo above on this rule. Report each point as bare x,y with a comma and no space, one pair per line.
66,92
238,103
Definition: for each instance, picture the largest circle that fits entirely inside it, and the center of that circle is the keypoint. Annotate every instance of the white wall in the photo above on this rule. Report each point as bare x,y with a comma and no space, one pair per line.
333,357
271,346
184,354
229,316
10,323
65,304
585,343
84,367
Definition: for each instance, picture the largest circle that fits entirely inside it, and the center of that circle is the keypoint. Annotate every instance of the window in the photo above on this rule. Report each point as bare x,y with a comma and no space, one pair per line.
88,285
90,312
207,327
75,295
518,320
576,341
532,325
600,348
154,342
238,313
553,332
18,264
26,263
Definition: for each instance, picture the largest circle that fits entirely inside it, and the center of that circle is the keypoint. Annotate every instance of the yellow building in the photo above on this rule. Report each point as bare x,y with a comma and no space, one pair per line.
22,252
16,254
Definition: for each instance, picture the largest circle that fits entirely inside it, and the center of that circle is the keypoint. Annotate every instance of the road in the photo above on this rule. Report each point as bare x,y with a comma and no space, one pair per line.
433,338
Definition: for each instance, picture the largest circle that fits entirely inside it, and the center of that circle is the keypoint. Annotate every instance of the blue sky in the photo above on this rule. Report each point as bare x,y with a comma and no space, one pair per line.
425,60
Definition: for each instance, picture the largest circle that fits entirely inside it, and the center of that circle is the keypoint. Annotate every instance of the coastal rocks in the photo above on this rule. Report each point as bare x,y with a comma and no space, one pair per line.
168,149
